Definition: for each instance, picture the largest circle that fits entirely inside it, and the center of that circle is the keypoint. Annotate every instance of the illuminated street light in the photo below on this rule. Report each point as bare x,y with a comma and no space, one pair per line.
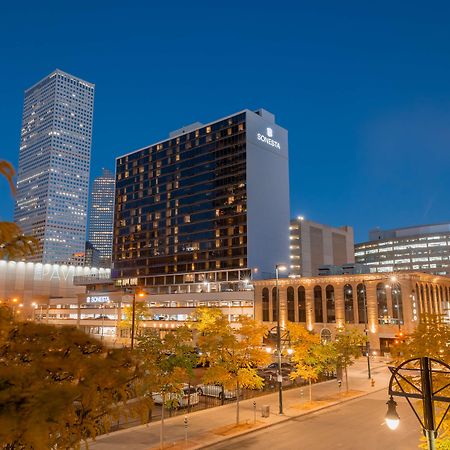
278,268
392,418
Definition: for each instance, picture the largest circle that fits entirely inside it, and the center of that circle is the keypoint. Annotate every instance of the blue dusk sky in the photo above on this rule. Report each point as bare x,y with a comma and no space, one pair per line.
362,87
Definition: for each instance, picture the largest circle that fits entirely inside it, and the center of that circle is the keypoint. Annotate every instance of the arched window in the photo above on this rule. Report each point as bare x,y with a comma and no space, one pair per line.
318,309
290,304
274,305
325,335
331,310
348,304
361,298
301,304
382,304
265,305
397,302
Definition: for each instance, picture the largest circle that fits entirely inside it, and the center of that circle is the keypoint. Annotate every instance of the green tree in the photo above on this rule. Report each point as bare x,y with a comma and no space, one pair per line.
233,354
58,386
348,344
310,356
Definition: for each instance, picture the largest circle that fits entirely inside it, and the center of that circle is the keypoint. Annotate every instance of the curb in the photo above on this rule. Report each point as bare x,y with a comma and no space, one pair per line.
283,420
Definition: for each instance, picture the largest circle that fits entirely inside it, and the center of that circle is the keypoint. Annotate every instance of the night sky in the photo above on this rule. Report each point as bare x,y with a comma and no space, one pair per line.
362,87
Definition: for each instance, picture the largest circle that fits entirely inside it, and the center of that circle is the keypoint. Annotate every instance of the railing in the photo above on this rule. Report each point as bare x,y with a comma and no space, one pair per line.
81,280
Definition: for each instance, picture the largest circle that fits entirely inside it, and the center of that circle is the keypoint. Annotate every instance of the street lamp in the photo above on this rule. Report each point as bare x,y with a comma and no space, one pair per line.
413,379
279,268
133,315
392,418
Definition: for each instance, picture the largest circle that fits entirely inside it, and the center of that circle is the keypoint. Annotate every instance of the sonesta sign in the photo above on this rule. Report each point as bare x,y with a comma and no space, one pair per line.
268,139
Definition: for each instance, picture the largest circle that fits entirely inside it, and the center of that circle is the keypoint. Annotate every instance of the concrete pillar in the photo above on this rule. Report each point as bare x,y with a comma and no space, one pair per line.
339,304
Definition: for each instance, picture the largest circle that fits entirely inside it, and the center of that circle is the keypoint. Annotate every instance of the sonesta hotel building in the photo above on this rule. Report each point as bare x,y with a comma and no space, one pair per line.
206,209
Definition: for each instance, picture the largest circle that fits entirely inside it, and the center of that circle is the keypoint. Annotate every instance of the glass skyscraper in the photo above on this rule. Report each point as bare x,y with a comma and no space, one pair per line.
101,216
209,204
54,160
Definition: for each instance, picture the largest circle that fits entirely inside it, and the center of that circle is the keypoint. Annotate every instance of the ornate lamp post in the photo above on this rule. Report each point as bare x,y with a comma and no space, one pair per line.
413,379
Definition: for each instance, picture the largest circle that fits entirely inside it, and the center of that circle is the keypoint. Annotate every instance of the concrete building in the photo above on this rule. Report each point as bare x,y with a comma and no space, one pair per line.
54,160
99,310
313,245
424,248
101,216
208,205
390,302
32,285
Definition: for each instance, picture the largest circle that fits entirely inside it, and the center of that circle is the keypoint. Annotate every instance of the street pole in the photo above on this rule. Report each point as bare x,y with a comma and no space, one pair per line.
280,377
428,409
133,319
366,330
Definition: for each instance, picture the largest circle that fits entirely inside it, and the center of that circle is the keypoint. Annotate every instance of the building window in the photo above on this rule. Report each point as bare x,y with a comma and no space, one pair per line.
361,299
397,302
348,304
318,309
274,305
290,304
382,304
331,309
301,304
265,305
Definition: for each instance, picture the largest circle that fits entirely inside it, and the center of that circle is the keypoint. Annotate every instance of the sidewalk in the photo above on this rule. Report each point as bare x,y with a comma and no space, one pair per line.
210,426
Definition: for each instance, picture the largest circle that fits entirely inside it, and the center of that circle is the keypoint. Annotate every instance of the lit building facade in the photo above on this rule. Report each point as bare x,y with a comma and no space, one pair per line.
313,245
101,216
421,248
54,161
34,284
209,205
388,303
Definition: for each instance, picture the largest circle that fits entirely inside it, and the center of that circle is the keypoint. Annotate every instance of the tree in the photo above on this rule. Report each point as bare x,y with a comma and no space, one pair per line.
347,346
13,244
167,363
141,313
430,338
310,356
58,386
233,354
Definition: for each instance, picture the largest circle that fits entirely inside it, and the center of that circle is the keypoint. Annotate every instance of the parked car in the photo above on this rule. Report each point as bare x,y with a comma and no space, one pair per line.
286,368
215,390
182,397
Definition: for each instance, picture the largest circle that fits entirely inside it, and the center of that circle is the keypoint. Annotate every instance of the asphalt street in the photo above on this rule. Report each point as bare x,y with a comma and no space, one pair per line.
355,425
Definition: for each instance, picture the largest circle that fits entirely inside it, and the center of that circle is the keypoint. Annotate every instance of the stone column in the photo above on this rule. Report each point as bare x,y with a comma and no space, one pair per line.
339,304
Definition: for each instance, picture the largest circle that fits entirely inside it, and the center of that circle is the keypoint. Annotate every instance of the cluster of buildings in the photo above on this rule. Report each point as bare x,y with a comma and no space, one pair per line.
194,220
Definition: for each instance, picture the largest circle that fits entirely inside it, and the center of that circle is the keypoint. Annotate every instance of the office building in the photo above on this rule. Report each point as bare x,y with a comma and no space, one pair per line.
388,303
91,256
53,171
423,248
313,245
101,215
207,206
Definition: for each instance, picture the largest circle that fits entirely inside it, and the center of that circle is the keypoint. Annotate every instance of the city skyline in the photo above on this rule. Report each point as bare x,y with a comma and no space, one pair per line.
362,90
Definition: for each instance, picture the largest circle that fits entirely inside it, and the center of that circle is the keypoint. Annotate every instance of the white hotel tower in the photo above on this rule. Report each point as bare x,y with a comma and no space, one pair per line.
54,160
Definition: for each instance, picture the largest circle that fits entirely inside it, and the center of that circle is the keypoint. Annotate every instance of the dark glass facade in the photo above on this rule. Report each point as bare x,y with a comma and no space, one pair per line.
181,205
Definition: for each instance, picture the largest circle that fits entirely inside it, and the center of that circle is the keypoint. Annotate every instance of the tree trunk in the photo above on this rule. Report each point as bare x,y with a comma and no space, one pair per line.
237,402
161,436
310,390
346,379
189,397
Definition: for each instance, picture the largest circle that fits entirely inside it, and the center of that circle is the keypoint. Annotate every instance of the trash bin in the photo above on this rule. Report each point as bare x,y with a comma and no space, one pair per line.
265,411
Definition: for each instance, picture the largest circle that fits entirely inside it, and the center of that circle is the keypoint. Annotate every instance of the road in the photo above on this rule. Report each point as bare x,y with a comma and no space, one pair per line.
355,425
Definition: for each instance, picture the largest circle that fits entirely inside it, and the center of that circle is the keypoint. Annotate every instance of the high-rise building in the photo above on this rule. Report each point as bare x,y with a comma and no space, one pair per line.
314,245
208,206
423,248
101,216
54,160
